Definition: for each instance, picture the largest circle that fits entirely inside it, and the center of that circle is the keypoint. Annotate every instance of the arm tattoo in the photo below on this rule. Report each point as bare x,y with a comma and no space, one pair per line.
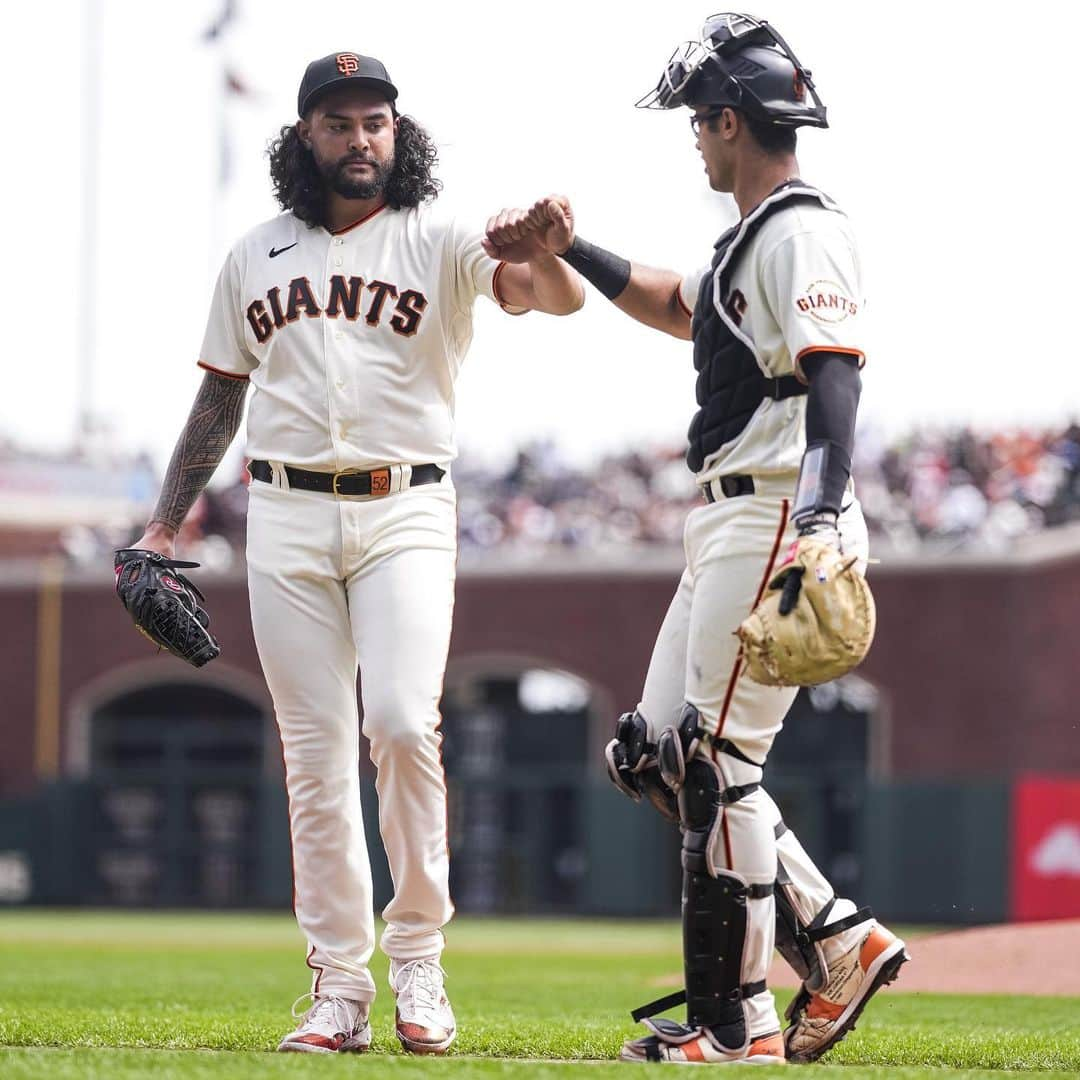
210,428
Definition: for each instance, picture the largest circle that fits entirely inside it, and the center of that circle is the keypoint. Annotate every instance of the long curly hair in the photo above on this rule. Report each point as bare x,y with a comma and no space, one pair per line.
299,186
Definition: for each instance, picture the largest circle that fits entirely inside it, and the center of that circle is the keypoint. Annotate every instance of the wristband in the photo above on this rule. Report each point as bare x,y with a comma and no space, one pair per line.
609,273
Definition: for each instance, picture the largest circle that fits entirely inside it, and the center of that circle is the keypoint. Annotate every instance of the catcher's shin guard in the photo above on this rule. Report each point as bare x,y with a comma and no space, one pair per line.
714,914
798,939
631,765
714,919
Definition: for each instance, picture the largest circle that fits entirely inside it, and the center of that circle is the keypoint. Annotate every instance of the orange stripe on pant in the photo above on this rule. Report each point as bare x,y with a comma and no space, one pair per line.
737,667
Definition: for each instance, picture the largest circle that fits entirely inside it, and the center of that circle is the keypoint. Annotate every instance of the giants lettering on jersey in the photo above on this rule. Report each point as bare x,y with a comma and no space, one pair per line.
825,302
349,297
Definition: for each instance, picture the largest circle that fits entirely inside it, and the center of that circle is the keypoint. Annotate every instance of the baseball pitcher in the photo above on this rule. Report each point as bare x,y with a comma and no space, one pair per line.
349,316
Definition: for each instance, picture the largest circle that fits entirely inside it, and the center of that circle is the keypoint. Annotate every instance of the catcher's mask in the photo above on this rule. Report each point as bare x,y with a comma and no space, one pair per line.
742,62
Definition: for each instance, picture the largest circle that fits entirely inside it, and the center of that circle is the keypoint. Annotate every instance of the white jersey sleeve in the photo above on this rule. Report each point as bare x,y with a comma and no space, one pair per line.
224,349
813,284
475,272
689,287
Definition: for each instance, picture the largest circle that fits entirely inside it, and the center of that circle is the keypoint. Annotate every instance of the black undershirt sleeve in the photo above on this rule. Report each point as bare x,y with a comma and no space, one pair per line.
835,386
831,405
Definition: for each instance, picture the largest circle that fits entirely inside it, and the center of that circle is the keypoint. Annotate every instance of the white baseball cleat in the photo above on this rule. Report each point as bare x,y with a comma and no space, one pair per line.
679,1044
333,1025
820,1020
424,1020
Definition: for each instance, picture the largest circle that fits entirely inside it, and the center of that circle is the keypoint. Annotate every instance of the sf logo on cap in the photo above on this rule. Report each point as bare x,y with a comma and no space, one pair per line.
348,63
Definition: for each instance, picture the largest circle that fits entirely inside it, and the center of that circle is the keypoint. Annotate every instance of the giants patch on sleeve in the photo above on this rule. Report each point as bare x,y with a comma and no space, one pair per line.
825,302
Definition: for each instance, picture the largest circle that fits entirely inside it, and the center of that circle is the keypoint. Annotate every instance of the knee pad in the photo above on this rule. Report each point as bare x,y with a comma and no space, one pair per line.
631,765
677,745
629,753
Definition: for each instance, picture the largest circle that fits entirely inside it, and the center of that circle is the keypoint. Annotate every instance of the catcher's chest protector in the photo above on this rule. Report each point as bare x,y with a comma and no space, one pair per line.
730,385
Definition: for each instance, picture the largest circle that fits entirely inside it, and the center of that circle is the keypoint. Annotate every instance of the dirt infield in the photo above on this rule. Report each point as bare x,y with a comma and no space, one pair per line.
1020,958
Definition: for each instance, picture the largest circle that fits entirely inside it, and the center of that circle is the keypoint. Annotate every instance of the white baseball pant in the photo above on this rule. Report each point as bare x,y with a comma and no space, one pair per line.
337,583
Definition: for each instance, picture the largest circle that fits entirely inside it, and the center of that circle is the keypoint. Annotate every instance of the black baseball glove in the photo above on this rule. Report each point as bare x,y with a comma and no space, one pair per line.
166,606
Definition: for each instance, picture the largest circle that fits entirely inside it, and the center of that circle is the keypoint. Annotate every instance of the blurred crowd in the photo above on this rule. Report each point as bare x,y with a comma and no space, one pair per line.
944,491
968,491
939,491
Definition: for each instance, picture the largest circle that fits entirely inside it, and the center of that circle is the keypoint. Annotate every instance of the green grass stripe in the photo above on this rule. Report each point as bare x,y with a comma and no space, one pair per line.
136,994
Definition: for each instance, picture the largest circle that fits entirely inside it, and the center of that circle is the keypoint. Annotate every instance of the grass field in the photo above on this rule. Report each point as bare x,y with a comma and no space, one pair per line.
187,997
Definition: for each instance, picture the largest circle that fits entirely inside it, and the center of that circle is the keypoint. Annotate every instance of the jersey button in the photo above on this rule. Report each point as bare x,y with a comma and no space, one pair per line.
338,261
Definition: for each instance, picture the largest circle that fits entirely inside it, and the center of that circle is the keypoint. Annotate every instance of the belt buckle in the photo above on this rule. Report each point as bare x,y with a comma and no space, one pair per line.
337,476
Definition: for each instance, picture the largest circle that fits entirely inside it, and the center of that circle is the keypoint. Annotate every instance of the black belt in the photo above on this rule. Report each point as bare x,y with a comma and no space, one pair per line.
375,483
730,486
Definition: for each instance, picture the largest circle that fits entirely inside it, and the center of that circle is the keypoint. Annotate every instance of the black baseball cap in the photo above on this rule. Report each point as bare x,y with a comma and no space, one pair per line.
336,70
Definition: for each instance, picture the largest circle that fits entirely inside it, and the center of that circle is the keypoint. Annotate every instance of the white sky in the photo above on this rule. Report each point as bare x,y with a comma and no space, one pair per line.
952,129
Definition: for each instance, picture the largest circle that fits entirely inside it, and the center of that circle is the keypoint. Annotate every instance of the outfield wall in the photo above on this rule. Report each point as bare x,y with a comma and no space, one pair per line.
971,671
974,660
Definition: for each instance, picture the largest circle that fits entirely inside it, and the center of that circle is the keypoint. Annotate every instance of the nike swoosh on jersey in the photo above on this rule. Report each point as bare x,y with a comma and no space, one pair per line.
275,252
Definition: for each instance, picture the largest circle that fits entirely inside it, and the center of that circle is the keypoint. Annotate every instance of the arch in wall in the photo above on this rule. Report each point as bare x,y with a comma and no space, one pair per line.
179,787
161,671
517,732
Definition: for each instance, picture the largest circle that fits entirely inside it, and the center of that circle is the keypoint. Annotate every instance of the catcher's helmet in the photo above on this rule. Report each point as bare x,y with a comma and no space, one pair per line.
743,62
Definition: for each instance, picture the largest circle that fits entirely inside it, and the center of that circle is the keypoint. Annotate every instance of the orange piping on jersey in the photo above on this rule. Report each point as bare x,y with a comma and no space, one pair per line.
682,302
218,371
735,671
797,362
498,296
360,221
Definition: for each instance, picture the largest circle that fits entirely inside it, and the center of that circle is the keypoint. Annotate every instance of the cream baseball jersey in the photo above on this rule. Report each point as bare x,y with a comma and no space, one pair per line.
796,288
352,340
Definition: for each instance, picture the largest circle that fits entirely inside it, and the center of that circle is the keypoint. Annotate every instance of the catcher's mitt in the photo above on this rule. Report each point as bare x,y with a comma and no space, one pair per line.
166,606
814,624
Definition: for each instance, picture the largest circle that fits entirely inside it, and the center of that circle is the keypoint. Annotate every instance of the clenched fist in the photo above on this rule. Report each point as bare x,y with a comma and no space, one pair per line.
518,236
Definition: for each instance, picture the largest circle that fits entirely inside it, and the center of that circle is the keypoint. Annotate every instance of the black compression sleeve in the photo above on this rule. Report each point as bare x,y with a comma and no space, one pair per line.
609,273
831,405
835,386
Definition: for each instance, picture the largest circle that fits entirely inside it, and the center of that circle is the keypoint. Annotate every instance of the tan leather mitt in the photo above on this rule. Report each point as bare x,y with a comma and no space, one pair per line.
815,622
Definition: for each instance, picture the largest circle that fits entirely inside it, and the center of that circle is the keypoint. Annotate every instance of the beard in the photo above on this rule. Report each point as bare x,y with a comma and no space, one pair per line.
348,187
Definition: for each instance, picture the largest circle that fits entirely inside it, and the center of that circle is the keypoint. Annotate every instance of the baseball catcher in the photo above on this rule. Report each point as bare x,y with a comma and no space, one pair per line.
777,330
166,606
